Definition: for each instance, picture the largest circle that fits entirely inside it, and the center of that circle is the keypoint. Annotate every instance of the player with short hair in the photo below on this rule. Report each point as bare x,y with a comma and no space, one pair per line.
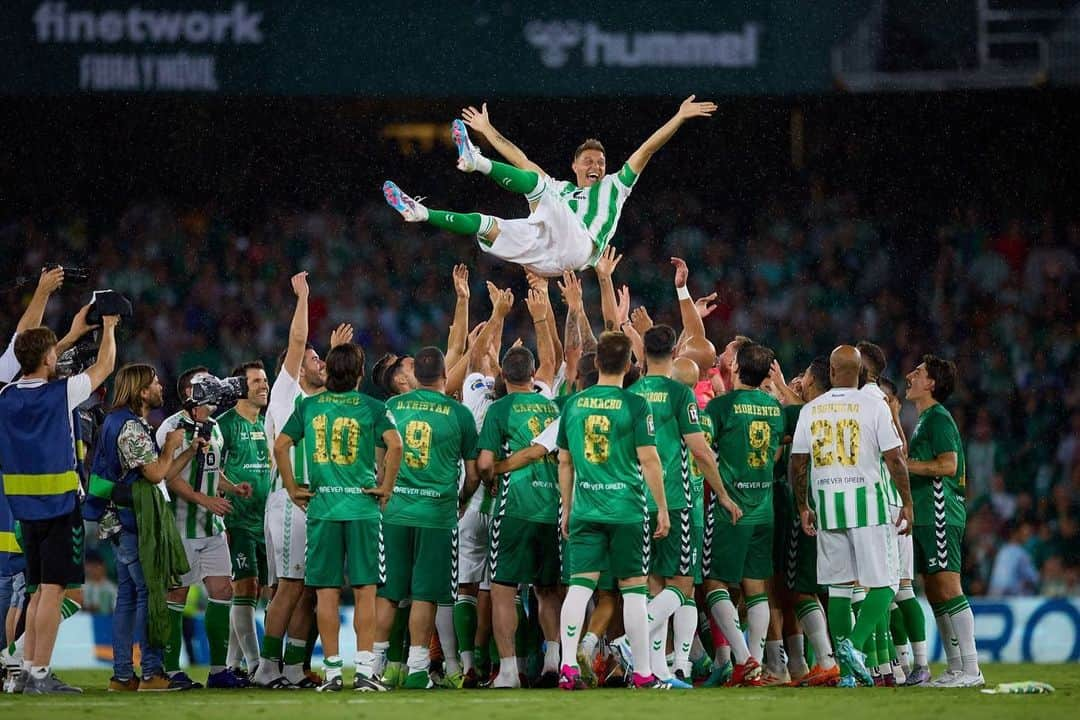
606,448
749,425
420,519
246,458
841,437
569,223
352,458
938,468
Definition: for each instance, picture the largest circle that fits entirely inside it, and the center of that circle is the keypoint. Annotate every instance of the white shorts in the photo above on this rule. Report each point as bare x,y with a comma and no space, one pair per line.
473,548
905,546
867,555
208,557
286,538
550,240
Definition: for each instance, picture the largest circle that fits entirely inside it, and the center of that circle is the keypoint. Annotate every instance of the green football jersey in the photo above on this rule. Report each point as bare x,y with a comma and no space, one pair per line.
697,477
532,492
938,500
780,472
341,431
602,427
439,432
748,426
246,459
675,414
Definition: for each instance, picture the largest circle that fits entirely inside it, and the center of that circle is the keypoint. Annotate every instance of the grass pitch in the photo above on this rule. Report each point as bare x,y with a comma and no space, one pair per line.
878,703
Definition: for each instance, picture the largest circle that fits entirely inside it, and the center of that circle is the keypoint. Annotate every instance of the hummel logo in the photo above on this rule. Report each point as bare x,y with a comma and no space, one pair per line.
571,630
506,182
955,642
656,645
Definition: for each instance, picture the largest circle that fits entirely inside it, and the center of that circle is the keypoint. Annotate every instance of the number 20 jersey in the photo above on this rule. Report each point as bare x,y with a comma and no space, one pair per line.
845,431
602,427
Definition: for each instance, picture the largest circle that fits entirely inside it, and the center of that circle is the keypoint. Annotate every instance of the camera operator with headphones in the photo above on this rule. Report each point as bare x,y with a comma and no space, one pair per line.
199,511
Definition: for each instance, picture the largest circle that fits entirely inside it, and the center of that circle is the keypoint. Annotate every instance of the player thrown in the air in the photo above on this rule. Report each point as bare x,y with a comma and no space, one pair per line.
569,223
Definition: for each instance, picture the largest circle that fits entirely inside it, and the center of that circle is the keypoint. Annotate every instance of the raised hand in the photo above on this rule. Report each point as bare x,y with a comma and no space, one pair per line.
608,261
704,309
537,282
342,335
640,319
503,302
570,287
475,333
79,325
536,301
50,280
691,109
478,120
622,309
681,272
299,284
461,281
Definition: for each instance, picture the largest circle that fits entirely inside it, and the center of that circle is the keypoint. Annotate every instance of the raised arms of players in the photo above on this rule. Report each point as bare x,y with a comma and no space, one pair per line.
688,109
49,282
693,325
298,328
479,121
605,268
459,330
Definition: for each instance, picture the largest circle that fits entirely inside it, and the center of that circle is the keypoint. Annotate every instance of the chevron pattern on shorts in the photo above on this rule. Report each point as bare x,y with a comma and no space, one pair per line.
382,555
707,544
792,555
940,526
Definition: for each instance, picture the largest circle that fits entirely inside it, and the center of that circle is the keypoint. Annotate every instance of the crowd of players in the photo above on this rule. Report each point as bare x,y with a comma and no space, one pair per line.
441,506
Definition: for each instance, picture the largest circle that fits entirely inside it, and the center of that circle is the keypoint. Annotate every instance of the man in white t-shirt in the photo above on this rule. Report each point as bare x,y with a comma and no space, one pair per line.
301,374
848,432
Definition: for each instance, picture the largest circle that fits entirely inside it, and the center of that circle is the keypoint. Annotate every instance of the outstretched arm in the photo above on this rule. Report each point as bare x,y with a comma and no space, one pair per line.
298,328
605,267
688,109
693,326
479,121
49,282
459,330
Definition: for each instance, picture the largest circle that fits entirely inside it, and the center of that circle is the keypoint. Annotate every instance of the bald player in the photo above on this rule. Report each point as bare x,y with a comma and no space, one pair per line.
848,432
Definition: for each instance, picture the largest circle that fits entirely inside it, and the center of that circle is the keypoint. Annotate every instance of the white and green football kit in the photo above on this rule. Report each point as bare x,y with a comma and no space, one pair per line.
845,431
568,227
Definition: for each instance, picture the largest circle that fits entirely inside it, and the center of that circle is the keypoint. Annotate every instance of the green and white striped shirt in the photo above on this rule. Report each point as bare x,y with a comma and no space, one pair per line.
845,431
892,495
193,520
599,206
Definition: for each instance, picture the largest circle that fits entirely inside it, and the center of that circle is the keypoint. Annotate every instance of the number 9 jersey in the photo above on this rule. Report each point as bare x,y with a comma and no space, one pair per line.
845,431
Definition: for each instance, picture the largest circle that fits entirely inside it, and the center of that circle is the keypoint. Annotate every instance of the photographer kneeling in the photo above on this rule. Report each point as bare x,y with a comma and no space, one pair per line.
149,556
199,510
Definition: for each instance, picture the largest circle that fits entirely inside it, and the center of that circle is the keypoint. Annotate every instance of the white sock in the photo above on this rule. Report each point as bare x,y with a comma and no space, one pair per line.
903,654
444,625
963,624
726,617
419,659
379,650
551,656
684,626
757,618
817,629
364,662
233,656
723,655
571,620
662,607
508,673
796,655
918,652
588,646
636,621
39,672
294,672
483,164
242,619
332,666
657,650
774,657
949,641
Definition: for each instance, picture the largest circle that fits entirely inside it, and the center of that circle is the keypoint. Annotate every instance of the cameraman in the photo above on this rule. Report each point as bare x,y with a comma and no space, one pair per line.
199,512
247,459
37,444
127,452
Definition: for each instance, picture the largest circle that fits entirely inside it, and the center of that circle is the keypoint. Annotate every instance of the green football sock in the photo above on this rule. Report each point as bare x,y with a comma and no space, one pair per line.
465,623
881,634
839,613
870,648
396,651
873,610
217,630
460,223
271,649
176,637
914,619
897,626
295,650
513,179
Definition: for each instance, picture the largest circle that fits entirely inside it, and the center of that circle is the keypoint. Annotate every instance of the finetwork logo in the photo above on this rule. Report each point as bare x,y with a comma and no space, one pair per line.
54,22
555,39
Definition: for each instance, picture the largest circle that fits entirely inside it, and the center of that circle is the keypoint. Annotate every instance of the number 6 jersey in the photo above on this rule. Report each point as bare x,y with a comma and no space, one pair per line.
844,432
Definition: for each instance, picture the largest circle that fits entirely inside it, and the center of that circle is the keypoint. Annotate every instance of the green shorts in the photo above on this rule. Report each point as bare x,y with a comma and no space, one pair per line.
248,553
621,548
421,564
733,553
937,548
697,540
336,548
523,552
799,560
673,555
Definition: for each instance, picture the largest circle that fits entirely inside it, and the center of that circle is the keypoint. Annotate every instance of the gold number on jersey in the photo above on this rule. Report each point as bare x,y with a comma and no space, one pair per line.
843,437
760,434
597,428
344,441
694,469
536,425
417,444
